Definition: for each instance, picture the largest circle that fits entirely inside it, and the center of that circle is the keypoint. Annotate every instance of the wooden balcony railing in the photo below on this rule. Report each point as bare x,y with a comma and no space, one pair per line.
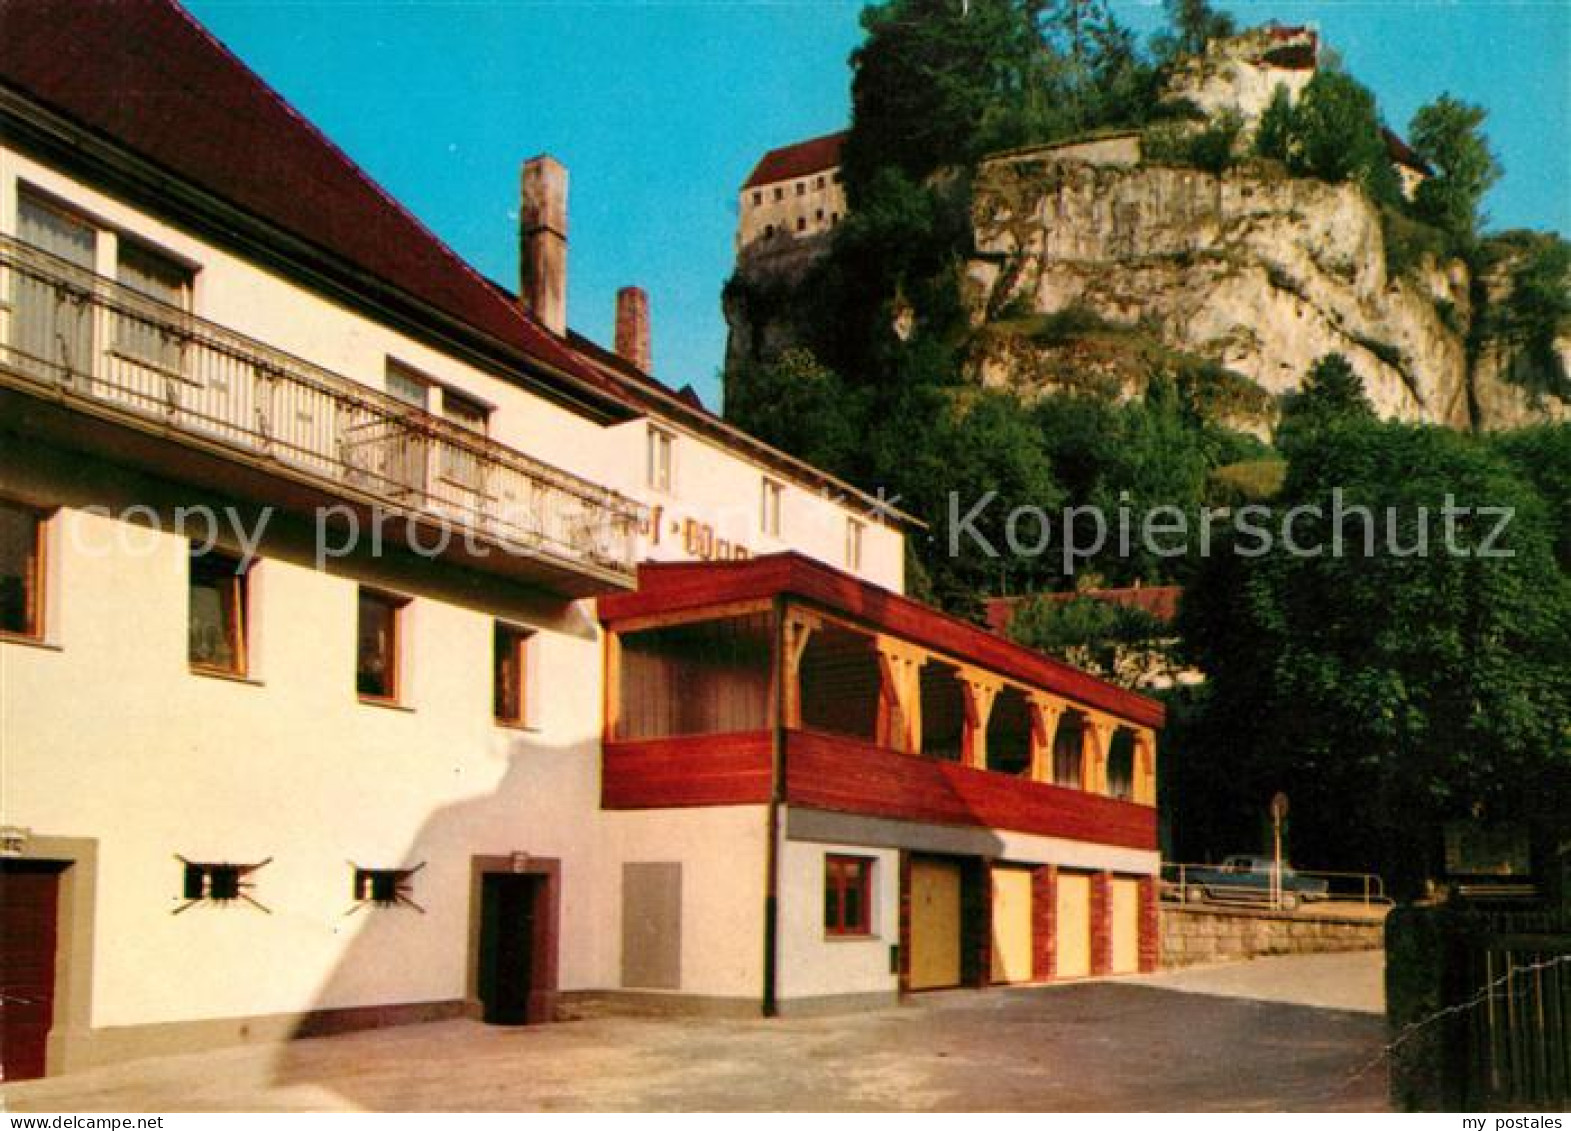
72,334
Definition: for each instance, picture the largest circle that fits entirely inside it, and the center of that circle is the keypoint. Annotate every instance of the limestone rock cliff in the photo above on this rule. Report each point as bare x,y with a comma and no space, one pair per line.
1254,271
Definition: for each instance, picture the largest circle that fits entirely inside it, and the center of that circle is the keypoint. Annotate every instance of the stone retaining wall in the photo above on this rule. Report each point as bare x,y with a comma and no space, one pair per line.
1195,935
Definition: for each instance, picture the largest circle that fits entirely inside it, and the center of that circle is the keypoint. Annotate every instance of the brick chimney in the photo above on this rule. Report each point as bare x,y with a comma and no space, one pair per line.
632,327
542,259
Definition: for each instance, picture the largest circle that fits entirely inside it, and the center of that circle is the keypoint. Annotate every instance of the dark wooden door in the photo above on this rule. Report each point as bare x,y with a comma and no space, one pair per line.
509,906
29,907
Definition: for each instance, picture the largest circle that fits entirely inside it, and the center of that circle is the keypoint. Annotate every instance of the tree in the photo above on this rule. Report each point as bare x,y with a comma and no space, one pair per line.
1274,134
1447,133
1389,690
1332,394
1091,633
1337,136
1191,25
927,79
799,406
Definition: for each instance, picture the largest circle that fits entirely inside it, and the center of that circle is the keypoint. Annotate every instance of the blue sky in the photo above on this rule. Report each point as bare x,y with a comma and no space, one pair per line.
660,109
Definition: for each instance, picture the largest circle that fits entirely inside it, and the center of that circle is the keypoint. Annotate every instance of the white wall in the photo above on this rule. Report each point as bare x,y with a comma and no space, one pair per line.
722,853
814,964
723,492
108,734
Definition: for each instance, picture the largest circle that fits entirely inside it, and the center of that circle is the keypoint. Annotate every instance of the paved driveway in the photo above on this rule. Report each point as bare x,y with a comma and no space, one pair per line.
1193,1040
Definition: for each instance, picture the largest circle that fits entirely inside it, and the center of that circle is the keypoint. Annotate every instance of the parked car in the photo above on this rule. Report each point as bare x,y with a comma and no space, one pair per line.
1249,878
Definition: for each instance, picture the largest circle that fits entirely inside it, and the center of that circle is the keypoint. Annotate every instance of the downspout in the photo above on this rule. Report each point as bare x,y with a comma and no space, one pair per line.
771,1005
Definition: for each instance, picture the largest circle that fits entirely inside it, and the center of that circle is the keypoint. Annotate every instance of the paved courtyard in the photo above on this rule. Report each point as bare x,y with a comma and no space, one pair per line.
1275,1034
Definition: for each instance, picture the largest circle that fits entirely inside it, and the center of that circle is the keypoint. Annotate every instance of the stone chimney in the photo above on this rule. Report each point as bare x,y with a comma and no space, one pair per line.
542,259
632,327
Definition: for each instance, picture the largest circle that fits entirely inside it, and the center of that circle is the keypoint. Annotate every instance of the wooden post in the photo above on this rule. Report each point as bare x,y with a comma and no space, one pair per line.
799,628
1045,715
1145,767
978,690
612,691
900,698
1097,742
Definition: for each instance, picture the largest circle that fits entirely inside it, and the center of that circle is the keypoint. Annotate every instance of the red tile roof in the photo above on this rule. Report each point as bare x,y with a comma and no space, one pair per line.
1403,154
798,160
146,75
1161,601
665,587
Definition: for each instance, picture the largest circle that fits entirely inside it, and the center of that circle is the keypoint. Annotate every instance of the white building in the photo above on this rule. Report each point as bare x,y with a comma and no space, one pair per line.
310,717
793,193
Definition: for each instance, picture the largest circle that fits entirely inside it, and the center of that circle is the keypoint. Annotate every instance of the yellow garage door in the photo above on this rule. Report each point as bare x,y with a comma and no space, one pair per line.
1074,925
1126,926
935,924
1011,925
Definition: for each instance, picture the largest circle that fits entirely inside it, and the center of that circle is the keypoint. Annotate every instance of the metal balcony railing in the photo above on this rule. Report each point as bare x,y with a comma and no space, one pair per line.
71,333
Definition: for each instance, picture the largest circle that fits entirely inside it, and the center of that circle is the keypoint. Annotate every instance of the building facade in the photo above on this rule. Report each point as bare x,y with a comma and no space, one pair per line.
793,194
327,697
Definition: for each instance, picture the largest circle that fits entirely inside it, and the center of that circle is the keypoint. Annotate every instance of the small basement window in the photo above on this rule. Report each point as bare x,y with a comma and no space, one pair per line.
385,887
221,883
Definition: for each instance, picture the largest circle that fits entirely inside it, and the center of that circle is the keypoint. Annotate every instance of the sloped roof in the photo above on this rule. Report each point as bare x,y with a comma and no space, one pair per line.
1160,601
797,160
147,76
665,587
1402,153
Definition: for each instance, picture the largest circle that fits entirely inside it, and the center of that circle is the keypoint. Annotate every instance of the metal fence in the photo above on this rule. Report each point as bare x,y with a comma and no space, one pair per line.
1192,883
81,336
1515,982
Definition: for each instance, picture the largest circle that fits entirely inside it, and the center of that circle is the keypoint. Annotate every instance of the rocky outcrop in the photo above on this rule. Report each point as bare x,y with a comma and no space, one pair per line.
1254,271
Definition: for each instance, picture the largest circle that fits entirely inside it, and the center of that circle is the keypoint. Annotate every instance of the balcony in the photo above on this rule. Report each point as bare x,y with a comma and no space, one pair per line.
782,679
196,401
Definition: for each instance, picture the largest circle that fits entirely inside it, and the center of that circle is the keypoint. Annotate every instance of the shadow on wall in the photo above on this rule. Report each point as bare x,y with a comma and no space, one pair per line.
512,864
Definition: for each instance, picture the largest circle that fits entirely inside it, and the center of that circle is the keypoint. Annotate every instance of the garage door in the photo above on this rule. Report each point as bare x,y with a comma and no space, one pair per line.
1074,925
29,897
935,923
1011,925
1126,926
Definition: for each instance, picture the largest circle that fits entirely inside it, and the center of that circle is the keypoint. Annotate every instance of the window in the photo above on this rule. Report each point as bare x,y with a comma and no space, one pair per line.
21,570
376,664
772,493
385,887
660,448
801,223
769,231
397,455
758,196
58,334
853,543
848,888
818,183
408,387
779,192
217,624
459,465
509,674
155,275
819,216
221,883
801,188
